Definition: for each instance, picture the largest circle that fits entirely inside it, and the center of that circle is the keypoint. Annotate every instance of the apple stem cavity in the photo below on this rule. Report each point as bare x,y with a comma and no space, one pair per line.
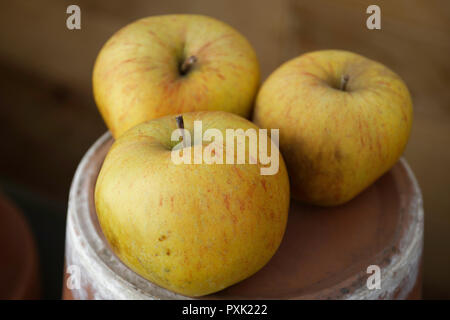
187,65
344,81
180,125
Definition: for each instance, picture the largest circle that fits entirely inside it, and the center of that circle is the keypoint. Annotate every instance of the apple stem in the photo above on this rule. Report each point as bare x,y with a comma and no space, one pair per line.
344,81
187,64
180,125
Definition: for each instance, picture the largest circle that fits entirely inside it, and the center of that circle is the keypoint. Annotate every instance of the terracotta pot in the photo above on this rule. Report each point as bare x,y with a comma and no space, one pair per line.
19,270
324,255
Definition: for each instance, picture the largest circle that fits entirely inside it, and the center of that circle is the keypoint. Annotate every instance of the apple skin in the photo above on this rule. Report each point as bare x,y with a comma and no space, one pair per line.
137,75
191,228
336,143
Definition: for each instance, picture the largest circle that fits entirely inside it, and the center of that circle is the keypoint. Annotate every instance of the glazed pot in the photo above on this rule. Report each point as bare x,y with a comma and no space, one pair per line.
326,253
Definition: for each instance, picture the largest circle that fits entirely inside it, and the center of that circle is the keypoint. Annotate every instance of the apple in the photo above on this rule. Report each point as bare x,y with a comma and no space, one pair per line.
344,121
190,228
171,64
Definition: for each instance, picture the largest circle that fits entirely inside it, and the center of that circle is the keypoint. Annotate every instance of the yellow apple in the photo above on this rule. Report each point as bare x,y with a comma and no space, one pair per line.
171,64
191,228
344,120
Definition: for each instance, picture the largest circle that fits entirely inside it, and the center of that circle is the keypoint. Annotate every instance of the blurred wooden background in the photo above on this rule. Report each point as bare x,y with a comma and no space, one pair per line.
48,118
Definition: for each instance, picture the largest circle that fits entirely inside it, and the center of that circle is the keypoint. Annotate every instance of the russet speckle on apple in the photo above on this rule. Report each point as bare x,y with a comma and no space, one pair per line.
171,64
344,121
191,228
